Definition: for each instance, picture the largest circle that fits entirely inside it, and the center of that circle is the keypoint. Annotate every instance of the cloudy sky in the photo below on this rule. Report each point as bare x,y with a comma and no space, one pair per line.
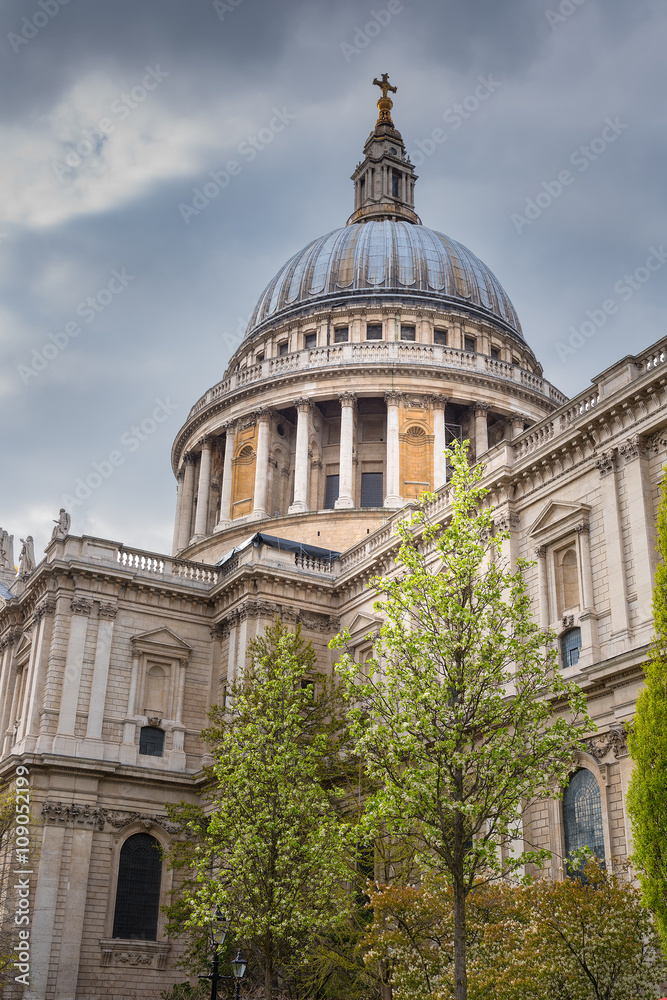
117,304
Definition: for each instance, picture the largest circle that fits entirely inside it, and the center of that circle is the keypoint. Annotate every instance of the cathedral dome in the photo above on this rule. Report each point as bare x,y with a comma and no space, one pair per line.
385,258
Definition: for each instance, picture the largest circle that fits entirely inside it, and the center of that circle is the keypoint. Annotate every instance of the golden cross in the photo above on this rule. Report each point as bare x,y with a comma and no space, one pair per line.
384,84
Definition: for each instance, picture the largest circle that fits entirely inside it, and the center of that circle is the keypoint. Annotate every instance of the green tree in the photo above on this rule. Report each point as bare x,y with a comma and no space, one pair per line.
647,795
271,848
454,713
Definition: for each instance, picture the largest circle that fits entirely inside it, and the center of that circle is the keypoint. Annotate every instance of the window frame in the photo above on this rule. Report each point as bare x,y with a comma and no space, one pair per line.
375,326
338,338
163,841
468,339
408,326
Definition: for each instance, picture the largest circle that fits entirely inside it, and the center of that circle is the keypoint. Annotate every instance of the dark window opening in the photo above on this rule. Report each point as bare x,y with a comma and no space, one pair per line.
408,332
138,891
282,348
281,430
495,354
570,644
311,340
151,741
395,185
341,335
374,331
469,343
515,361
440,337
331,493
372,494
259,358
582,817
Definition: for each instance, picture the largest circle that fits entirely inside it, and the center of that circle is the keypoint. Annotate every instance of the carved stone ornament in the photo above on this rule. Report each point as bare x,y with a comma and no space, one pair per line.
567,621
506,520
657,442
393,398
632,448
81,606
220,630
154,720
347,398
108,611
133,958
45,607
606,462
151,954
601,744
56,812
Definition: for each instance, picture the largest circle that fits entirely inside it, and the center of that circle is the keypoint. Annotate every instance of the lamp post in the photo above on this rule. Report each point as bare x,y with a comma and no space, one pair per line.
219,928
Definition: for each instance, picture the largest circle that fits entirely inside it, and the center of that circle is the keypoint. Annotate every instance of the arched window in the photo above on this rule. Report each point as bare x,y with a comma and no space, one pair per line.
582,814
138,891
151,741
570,644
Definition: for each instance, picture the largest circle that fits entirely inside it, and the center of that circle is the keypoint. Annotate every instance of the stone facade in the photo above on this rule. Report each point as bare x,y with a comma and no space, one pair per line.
101,643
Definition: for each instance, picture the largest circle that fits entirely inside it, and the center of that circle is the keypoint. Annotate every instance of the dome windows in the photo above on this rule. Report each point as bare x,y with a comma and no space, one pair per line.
310,341
374,331
408,332
469,344
341,334
440,337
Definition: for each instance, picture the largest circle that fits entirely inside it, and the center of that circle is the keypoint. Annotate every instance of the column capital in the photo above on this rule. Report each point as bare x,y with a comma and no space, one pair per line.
393,398
264,413
633,448
189,458
81,606
479,407
606,463
206,441
582,528
541,551
229,426
303,404
347,398
108,611
438,401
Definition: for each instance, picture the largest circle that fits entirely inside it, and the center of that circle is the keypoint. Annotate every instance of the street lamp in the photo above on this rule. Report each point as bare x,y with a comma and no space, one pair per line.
218,930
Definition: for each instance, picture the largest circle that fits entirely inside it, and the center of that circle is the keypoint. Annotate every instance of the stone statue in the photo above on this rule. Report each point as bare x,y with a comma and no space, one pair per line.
27,557
6,550
62,525
384,84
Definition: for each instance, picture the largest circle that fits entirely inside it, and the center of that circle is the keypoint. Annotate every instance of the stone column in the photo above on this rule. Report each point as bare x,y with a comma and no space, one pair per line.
64,740
543,585
300,501
72,928
185,532
439,457
640,511
128,749
613,536
44,912
204,489
260,494
179,511
517,426
588,618
393,490
227,475
34,684
93,745
481,429
346,455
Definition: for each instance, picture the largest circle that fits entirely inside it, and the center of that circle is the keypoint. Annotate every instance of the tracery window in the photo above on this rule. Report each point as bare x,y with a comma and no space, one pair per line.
138,891
582,814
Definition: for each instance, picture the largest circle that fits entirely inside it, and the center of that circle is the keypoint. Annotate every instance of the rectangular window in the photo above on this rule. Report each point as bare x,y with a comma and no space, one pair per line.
331,494
341,335
374,331
440,337
259,359
408,332
372,493
515,361
495,354
282,348
310,341
395,185
469,343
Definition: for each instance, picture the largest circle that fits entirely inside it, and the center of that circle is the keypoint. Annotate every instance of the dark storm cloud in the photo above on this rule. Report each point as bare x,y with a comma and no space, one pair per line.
557,72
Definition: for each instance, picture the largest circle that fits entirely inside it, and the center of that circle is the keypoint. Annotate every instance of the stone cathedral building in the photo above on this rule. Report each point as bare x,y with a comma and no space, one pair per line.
369,350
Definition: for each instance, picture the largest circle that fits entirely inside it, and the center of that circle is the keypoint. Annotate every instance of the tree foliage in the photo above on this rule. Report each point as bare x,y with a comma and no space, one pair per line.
579,939
647,795
272,846
453,714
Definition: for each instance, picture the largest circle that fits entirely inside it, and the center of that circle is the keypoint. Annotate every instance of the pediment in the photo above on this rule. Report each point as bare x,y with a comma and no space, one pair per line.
162,640
363,624
558,517
23,648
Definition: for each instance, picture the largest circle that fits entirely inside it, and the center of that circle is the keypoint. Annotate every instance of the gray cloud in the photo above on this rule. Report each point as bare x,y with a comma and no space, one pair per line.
171,331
